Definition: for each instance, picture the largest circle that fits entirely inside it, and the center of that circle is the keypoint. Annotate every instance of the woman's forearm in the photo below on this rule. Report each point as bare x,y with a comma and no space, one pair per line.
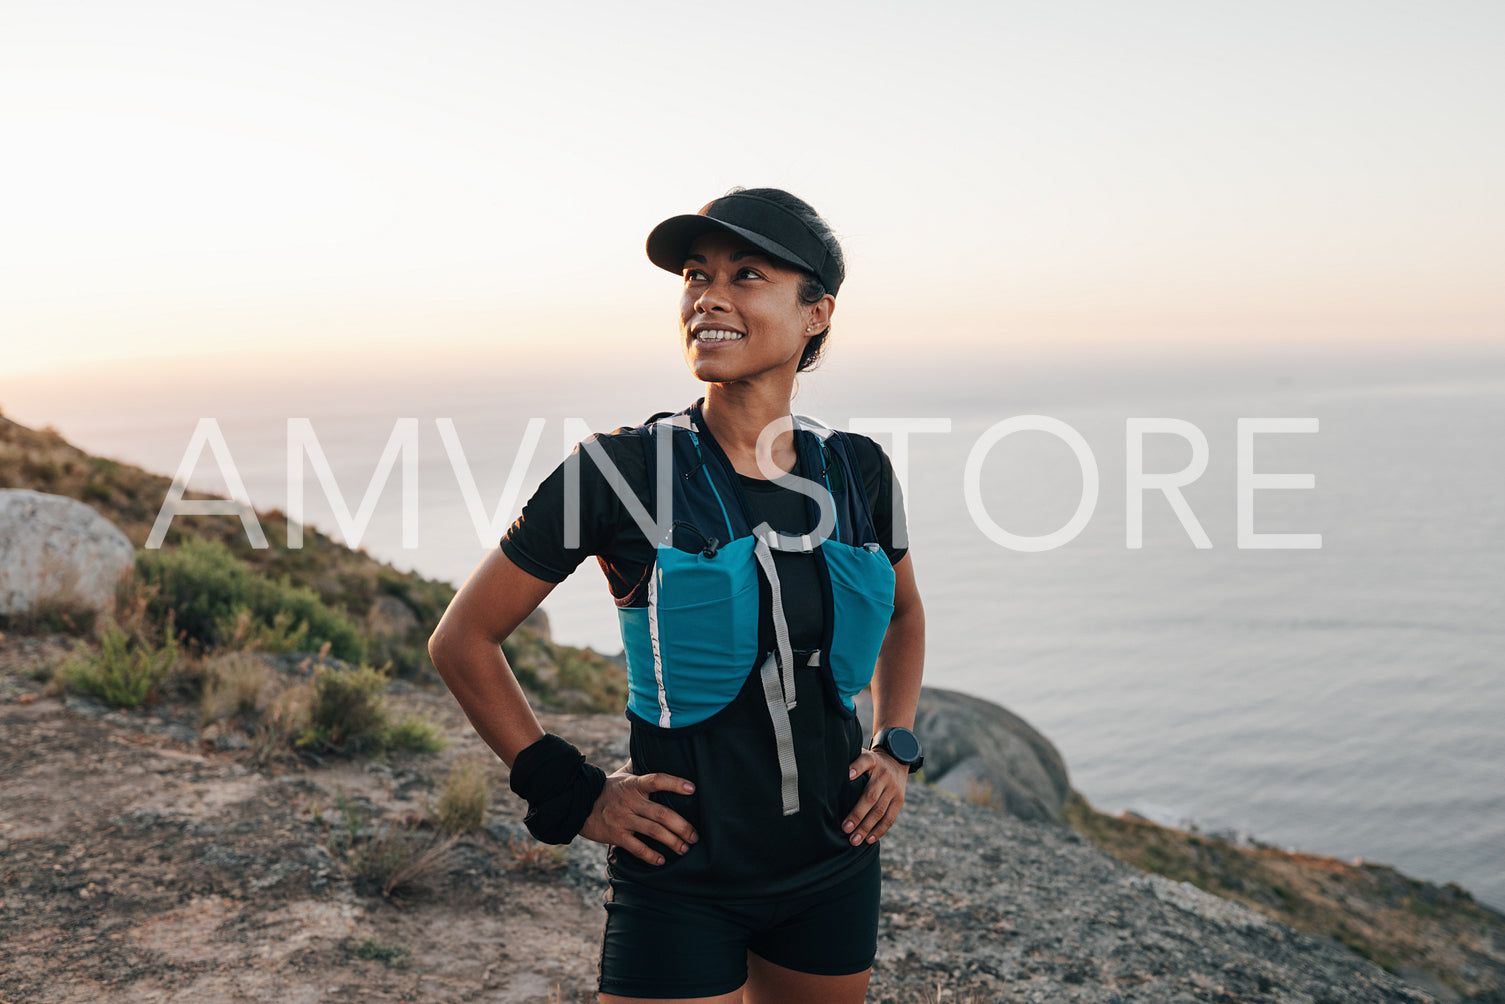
896,679
467,651
476,672
901,660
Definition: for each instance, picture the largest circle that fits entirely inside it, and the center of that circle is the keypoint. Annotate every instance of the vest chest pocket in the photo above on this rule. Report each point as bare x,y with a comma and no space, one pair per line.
702,626
862,597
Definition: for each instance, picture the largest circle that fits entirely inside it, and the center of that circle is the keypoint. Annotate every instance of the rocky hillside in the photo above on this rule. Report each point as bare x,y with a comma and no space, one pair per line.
390,614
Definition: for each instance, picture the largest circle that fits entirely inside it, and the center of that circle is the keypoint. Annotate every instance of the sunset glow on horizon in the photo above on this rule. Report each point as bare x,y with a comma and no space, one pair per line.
476,181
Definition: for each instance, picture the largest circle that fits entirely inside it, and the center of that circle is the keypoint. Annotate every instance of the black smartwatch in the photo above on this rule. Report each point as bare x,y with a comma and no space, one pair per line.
901,744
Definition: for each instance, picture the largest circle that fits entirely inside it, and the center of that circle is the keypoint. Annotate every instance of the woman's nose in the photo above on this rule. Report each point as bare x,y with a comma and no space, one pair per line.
711,298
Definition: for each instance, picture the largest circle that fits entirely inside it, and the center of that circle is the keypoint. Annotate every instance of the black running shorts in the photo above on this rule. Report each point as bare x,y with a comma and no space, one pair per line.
664,945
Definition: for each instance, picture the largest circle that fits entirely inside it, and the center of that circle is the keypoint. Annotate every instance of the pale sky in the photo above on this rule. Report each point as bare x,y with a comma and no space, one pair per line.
389,182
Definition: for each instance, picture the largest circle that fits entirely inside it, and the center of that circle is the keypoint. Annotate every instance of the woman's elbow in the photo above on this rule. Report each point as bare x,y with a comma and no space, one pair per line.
457,638
443,642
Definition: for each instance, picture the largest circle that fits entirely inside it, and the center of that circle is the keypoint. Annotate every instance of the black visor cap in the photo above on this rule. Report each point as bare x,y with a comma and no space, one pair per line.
765,225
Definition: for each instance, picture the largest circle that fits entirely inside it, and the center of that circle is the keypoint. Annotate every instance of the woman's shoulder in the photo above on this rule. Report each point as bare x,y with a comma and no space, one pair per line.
625,444
872,461
867,449
625,441
865,446
625,447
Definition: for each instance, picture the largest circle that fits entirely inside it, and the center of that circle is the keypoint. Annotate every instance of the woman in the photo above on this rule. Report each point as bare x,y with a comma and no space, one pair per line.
752,560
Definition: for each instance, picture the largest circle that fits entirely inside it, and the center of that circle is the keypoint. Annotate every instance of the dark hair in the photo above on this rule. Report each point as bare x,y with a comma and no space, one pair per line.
811,289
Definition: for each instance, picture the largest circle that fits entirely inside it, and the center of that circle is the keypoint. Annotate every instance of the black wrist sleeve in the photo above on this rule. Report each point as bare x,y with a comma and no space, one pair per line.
559,787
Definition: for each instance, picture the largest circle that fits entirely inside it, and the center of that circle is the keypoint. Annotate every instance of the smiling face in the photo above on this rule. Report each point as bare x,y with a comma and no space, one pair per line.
740,313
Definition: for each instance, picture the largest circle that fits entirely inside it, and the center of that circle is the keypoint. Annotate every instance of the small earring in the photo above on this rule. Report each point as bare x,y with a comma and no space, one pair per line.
808,329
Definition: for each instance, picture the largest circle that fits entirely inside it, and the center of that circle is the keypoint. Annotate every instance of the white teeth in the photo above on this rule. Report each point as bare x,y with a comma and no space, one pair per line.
718,336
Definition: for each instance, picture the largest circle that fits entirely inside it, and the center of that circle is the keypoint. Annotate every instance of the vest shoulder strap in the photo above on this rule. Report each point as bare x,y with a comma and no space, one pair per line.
708,502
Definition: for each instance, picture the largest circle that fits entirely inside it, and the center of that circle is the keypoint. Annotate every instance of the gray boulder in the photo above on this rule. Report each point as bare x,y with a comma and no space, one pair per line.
55,549
539,621
978,751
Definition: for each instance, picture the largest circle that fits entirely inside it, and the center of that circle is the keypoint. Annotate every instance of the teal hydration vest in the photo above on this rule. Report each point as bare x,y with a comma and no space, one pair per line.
690,629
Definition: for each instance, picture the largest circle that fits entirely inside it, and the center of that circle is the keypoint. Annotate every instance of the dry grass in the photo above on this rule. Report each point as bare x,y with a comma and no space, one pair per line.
58,607
237,684
942,995
982,793
531,856
462,805
400,860
53,615
391,858
286,718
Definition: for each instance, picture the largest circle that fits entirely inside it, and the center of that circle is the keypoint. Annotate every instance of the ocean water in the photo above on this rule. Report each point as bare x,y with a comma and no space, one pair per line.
1346,700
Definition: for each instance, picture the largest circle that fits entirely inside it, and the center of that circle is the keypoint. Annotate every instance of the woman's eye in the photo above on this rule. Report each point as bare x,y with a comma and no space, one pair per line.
700,275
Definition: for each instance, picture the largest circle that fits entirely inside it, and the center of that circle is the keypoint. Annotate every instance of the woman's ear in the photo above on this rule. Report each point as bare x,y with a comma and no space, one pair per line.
820,314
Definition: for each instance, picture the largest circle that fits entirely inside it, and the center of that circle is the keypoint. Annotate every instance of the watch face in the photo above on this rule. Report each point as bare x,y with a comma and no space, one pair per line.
905,747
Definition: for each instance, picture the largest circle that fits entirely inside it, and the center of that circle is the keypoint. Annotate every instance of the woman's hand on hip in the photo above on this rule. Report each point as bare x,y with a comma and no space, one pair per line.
880,803
624,814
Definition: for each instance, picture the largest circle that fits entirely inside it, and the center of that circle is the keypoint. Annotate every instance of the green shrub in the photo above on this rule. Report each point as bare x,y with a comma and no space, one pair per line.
565,678
95,491
219,600
281,635
125,672
600,683
462,806
395,956
428,598
409,659
344,711
348,713
415,733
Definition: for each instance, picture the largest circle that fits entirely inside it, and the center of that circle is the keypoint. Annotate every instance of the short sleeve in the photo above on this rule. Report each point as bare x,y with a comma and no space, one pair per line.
885,497
536,541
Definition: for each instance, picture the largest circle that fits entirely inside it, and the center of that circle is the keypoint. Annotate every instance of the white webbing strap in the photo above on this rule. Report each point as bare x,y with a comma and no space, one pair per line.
783,734
664,719
780,695
780,625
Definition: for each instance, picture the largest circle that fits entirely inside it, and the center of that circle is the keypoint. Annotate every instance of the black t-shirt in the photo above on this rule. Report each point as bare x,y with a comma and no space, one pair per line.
747,849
